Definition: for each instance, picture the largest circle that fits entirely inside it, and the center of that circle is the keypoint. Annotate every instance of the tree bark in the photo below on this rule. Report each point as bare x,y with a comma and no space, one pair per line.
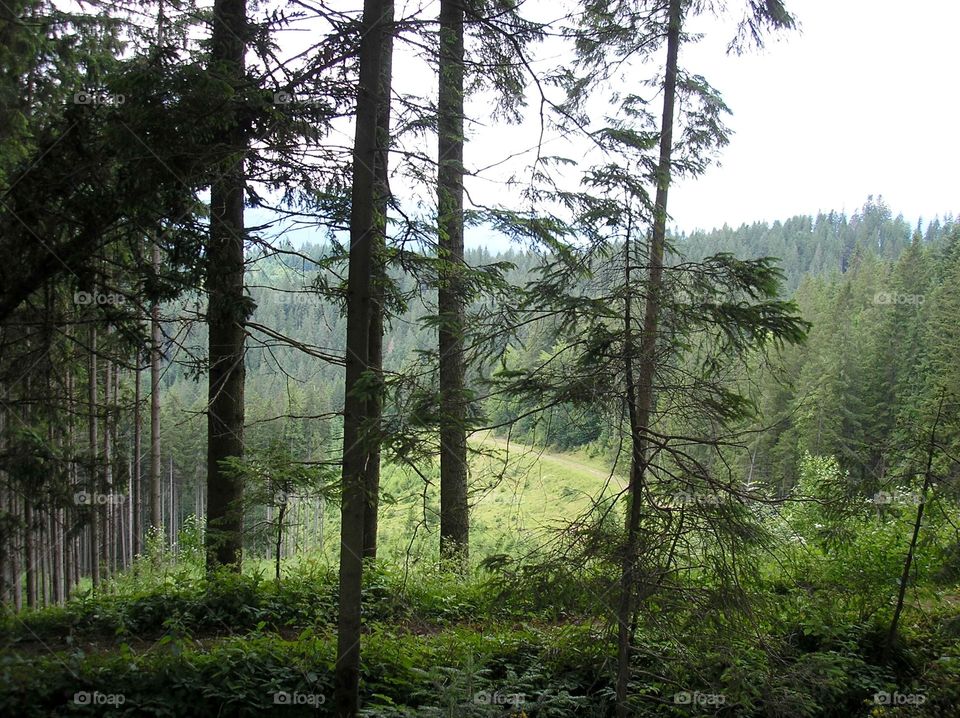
29,552
94,544
454,511
281,515
105,509
379,273
227,310
174,519
363,229
6,542
156,519
640,388
17,557
69,514
136,517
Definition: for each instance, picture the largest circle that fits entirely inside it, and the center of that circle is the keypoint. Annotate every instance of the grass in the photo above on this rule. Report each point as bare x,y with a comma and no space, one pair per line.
529,641
519,494
437,646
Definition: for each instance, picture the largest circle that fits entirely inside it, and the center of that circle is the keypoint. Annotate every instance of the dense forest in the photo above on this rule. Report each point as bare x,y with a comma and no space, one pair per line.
295,420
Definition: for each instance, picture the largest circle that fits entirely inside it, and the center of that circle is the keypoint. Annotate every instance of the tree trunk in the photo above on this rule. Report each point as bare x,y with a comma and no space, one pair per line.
363,230
45,558
454,512
227,310
156,519
174,517
640,388
105,509
281,514
59,558
16,557
127,517
29,552
94,547
6,539
136,518
69,514
379,278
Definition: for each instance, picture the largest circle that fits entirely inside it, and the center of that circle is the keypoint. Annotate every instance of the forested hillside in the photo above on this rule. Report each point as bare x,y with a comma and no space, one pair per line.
818,256
278,434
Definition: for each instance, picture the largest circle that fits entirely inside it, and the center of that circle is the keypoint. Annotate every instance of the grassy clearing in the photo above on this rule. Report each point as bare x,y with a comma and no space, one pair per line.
526,639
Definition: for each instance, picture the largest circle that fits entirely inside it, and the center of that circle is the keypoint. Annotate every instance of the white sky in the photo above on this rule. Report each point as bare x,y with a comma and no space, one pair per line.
864,100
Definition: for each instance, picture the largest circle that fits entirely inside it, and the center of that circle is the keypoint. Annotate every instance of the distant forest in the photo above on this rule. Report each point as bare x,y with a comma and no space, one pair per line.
881,295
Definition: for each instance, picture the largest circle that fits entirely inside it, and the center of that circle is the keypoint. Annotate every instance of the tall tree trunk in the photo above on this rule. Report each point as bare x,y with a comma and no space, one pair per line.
77,562
227,310
6,542
94,544
120,508
363,229
69,514
454,512
128,516
379,273
17,558
61,547
44,557
278,546
174,517
105,509
156,520
29,552
56,533
136,507
640,387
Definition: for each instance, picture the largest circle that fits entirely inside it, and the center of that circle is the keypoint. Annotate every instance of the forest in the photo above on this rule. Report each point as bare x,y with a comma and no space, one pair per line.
314,402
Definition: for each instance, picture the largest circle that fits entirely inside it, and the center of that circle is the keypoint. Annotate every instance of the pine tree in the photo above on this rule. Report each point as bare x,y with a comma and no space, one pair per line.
228,308
356,427
454,512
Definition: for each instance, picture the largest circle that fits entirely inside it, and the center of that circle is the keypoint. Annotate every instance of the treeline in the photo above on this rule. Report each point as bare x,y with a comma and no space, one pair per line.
817,255
819,245
881,355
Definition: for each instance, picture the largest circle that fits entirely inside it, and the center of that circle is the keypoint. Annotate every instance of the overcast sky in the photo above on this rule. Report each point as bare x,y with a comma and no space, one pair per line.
861,100
864,100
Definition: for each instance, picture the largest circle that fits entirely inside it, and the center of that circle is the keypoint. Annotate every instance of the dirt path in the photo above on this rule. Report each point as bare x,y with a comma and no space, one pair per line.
525,452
